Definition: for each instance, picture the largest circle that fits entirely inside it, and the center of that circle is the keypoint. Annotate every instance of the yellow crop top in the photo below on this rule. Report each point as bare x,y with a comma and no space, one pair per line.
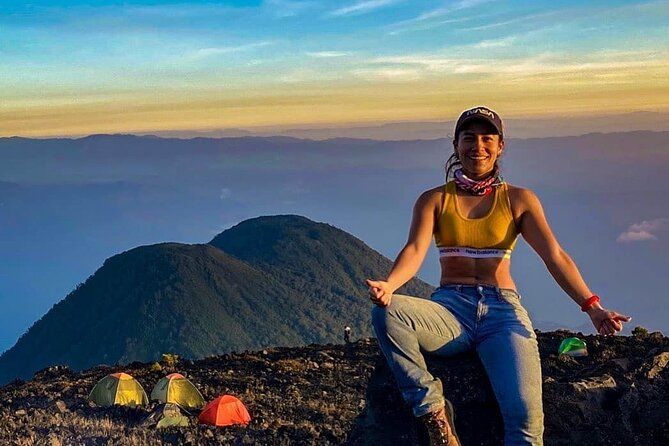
493,235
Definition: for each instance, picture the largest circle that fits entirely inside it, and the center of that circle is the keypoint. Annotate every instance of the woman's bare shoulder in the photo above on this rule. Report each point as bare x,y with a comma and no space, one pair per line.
436,193
521,197
431,199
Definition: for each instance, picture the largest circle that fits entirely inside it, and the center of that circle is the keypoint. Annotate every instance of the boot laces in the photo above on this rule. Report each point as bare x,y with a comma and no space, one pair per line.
438,428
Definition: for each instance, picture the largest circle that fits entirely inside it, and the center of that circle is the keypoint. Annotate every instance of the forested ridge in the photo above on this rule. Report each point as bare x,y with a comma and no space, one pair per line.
268,281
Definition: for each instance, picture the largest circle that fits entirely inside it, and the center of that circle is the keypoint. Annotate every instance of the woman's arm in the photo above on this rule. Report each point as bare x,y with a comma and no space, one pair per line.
536,231
410,258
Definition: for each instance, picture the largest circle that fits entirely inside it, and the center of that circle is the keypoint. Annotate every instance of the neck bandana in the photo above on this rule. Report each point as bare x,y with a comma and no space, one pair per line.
478,187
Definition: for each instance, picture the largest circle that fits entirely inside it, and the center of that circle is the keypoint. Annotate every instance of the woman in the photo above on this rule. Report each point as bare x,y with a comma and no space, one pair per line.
475,220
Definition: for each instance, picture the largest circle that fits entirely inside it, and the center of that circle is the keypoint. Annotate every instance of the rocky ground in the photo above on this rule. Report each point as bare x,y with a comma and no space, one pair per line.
334,394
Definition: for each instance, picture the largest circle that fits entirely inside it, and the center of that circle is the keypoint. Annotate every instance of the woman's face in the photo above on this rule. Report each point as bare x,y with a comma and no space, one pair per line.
478,146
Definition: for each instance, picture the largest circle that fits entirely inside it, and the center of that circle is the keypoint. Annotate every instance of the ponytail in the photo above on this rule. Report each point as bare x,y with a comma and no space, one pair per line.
451,164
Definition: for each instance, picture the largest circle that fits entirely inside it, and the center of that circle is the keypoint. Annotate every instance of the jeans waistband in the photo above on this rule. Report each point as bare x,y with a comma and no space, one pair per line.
482,287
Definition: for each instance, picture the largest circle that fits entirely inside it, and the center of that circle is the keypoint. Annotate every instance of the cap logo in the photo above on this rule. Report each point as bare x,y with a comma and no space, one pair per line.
480,111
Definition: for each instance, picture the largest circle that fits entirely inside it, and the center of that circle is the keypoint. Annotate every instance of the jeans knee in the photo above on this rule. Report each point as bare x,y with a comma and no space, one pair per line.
527,416
382,317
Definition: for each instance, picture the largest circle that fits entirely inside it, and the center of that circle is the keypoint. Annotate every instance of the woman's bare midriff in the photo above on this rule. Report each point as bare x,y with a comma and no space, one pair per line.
469,271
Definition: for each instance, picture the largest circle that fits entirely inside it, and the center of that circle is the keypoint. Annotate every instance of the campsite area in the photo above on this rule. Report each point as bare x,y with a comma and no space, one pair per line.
344,395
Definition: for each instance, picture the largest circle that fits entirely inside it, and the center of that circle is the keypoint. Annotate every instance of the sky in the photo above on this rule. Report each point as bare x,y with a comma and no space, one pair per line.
104,66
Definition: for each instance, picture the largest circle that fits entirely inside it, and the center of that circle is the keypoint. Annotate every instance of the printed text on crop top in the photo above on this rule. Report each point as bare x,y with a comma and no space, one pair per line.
493,235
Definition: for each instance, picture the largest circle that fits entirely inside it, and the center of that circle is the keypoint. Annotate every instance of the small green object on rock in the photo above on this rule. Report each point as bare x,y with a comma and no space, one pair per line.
573,347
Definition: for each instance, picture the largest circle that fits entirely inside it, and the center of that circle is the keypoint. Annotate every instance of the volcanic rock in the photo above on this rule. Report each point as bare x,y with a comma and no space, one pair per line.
618,395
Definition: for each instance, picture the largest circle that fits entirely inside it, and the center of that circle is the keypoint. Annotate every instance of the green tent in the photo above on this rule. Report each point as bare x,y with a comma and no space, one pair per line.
166,415
118,388
174,388
573,347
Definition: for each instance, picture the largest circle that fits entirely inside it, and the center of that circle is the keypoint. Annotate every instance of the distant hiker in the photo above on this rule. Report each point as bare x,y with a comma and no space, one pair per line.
347,335
475,219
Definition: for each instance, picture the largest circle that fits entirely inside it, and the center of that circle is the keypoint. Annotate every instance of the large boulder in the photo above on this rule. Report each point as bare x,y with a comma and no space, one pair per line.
618,394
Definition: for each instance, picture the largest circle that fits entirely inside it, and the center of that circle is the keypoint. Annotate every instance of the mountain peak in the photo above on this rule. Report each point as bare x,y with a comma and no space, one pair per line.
267,221
272,280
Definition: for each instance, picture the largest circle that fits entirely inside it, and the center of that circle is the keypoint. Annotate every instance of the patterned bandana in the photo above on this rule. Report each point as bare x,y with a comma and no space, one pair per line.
478,187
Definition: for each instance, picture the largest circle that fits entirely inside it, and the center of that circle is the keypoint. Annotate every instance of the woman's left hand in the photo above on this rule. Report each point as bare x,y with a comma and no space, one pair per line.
607,322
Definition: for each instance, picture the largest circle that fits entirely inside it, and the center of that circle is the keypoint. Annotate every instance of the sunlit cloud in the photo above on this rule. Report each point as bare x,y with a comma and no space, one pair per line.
428,25
327,54
495,43
305,75
287,8
522,19
396,74
644,231
435,17
540,65
425,61
203,53
457,6
362,7
546,63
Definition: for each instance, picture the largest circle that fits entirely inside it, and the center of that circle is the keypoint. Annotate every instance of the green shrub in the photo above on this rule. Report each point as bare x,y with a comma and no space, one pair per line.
639,332
156,367
170,360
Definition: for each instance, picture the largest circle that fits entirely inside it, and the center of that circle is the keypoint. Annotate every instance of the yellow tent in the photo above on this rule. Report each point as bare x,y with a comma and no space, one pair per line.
118,388
174,388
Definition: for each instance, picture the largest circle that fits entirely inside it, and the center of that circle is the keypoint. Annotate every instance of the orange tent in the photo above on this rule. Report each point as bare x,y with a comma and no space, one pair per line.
224,411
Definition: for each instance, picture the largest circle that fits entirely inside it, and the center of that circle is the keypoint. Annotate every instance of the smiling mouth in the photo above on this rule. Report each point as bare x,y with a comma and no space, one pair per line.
477,158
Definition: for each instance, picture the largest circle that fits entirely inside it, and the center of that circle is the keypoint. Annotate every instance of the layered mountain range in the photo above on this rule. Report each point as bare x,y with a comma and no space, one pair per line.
269,281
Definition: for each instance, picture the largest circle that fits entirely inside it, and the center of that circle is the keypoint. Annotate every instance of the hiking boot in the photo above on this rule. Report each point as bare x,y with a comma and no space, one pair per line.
440,426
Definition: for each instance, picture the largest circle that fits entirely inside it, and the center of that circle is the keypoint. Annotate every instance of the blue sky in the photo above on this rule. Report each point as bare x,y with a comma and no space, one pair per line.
85,67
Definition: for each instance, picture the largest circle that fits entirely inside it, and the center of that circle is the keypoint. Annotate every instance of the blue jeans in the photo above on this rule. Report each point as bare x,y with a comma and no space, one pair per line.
456,319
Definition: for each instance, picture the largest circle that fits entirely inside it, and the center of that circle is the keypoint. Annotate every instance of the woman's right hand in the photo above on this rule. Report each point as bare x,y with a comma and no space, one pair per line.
607,322
380,292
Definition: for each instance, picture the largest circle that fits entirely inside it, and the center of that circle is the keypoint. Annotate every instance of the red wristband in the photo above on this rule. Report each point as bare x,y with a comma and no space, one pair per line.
590,302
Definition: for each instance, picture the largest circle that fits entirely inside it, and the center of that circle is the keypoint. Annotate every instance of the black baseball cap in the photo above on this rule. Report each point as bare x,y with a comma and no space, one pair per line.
480,113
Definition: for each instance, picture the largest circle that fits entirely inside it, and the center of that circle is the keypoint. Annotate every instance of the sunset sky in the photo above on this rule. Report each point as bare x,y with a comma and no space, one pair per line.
104,66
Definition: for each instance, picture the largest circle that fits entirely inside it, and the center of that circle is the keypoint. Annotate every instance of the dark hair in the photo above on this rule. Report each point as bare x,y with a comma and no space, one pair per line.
451,163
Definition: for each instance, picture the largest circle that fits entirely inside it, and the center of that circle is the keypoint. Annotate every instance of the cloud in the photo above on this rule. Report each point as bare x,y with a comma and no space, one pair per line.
601,63
327,54
225,193
299,75
522,19
427,25
644,231
204,53
440,12
496,43
362,7
287,8
434,18
433,63
393,74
